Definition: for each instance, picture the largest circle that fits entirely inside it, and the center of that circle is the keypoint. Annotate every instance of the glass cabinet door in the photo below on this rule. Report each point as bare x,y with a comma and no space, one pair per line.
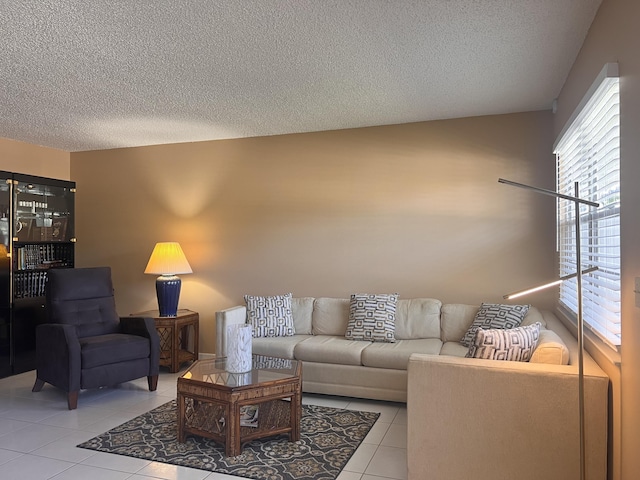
43,213
43,232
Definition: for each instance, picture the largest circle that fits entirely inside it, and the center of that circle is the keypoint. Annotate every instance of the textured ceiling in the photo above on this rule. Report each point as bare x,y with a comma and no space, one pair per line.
85,75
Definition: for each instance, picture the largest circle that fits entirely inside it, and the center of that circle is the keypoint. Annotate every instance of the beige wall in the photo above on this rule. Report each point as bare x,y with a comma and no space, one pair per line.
614,37
30,159
414,209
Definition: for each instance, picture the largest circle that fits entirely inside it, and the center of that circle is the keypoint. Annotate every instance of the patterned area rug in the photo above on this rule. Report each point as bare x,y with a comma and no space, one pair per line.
328,439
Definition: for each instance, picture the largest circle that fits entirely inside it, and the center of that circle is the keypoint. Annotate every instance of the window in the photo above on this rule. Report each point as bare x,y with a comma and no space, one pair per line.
588,152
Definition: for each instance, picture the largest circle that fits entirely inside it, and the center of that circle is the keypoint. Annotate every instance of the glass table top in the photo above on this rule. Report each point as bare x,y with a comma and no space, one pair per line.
264,369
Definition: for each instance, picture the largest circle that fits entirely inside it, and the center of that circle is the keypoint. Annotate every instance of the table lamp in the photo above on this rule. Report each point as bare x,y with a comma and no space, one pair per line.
168,260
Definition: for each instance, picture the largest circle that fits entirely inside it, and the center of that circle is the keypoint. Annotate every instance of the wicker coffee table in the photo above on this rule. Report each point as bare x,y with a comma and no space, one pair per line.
211,401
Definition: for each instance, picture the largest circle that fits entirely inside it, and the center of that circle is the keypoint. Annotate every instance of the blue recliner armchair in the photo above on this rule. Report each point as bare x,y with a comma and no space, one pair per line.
86,344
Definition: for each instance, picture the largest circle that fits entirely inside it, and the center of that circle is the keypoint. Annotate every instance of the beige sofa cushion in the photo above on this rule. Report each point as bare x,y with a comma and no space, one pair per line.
276,346
454,349
330,349
533,316
396,355
418,318
551,349
330,316
302,308
456,320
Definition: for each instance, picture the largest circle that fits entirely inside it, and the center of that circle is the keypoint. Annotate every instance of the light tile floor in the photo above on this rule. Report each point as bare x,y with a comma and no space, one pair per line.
38,435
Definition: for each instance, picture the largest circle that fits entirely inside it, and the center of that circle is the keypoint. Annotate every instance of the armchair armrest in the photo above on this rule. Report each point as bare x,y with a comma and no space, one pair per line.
141,326
58,355
224,318
144,327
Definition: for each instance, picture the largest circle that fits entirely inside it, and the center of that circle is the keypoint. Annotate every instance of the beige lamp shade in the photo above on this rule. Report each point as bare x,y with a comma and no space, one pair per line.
168,258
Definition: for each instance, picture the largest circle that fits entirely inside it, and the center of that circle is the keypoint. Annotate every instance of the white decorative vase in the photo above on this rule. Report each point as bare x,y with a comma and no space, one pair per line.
239,348
239,379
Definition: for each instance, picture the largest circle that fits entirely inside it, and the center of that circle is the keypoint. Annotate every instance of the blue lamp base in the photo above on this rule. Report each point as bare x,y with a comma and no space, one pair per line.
168,292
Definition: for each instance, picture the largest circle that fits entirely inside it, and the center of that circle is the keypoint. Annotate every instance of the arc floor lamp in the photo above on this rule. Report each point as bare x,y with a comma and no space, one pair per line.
577,201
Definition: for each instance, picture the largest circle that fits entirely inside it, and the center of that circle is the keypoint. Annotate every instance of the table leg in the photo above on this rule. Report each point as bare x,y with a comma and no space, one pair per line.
233,446
183,334
181,418
196,337
189,333
296,415
175,349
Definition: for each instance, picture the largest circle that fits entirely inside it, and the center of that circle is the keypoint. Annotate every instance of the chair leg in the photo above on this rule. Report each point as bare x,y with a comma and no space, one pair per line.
38,385
153,382
72,400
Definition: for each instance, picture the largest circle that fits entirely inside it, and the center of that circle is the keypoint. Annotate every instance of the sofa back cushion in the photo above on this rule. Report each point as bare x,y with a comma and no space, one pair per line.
457,318
418,318
330,316
533,316
302,308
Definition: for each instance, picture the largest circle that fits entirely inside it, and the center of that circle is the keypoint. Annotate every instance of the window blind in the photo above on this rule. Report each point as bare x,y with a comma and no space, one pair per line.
588,152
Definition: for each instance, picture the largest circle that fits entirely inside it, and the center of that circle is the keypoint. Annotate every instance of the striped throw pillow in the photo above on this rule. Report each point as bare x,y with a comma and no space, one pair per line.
514,344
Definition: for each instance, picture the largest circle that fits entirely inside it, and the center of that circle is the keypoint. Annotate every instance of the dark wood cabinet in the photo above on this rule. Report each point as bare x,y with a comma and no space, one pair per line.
37,233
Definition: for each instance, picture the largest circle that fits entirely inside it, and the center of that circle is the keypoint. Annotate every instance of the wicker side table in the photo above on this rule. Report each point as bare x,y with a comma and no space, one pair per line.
178,337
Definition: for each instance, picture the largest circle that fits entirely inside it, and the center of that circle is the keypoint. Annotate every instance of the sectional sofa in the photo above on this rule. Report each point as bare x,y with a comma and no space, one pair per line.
468,418
338,366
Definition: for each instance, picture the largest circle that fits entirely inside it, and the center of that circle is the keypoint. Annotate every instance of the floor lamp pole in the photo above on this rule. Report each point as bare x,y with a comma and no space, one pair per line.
576,201
580,334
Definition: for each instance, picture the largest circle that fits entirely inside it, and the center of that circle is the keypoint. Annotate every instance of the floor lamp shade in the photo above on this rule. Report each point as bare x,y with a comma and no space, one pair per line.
168,260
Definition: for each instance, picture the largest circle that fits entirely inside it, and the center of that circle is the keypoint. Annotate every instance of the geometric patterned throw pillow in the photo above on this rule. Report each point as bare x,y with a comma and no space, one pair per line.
270,316
515,344
372,317
492,315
